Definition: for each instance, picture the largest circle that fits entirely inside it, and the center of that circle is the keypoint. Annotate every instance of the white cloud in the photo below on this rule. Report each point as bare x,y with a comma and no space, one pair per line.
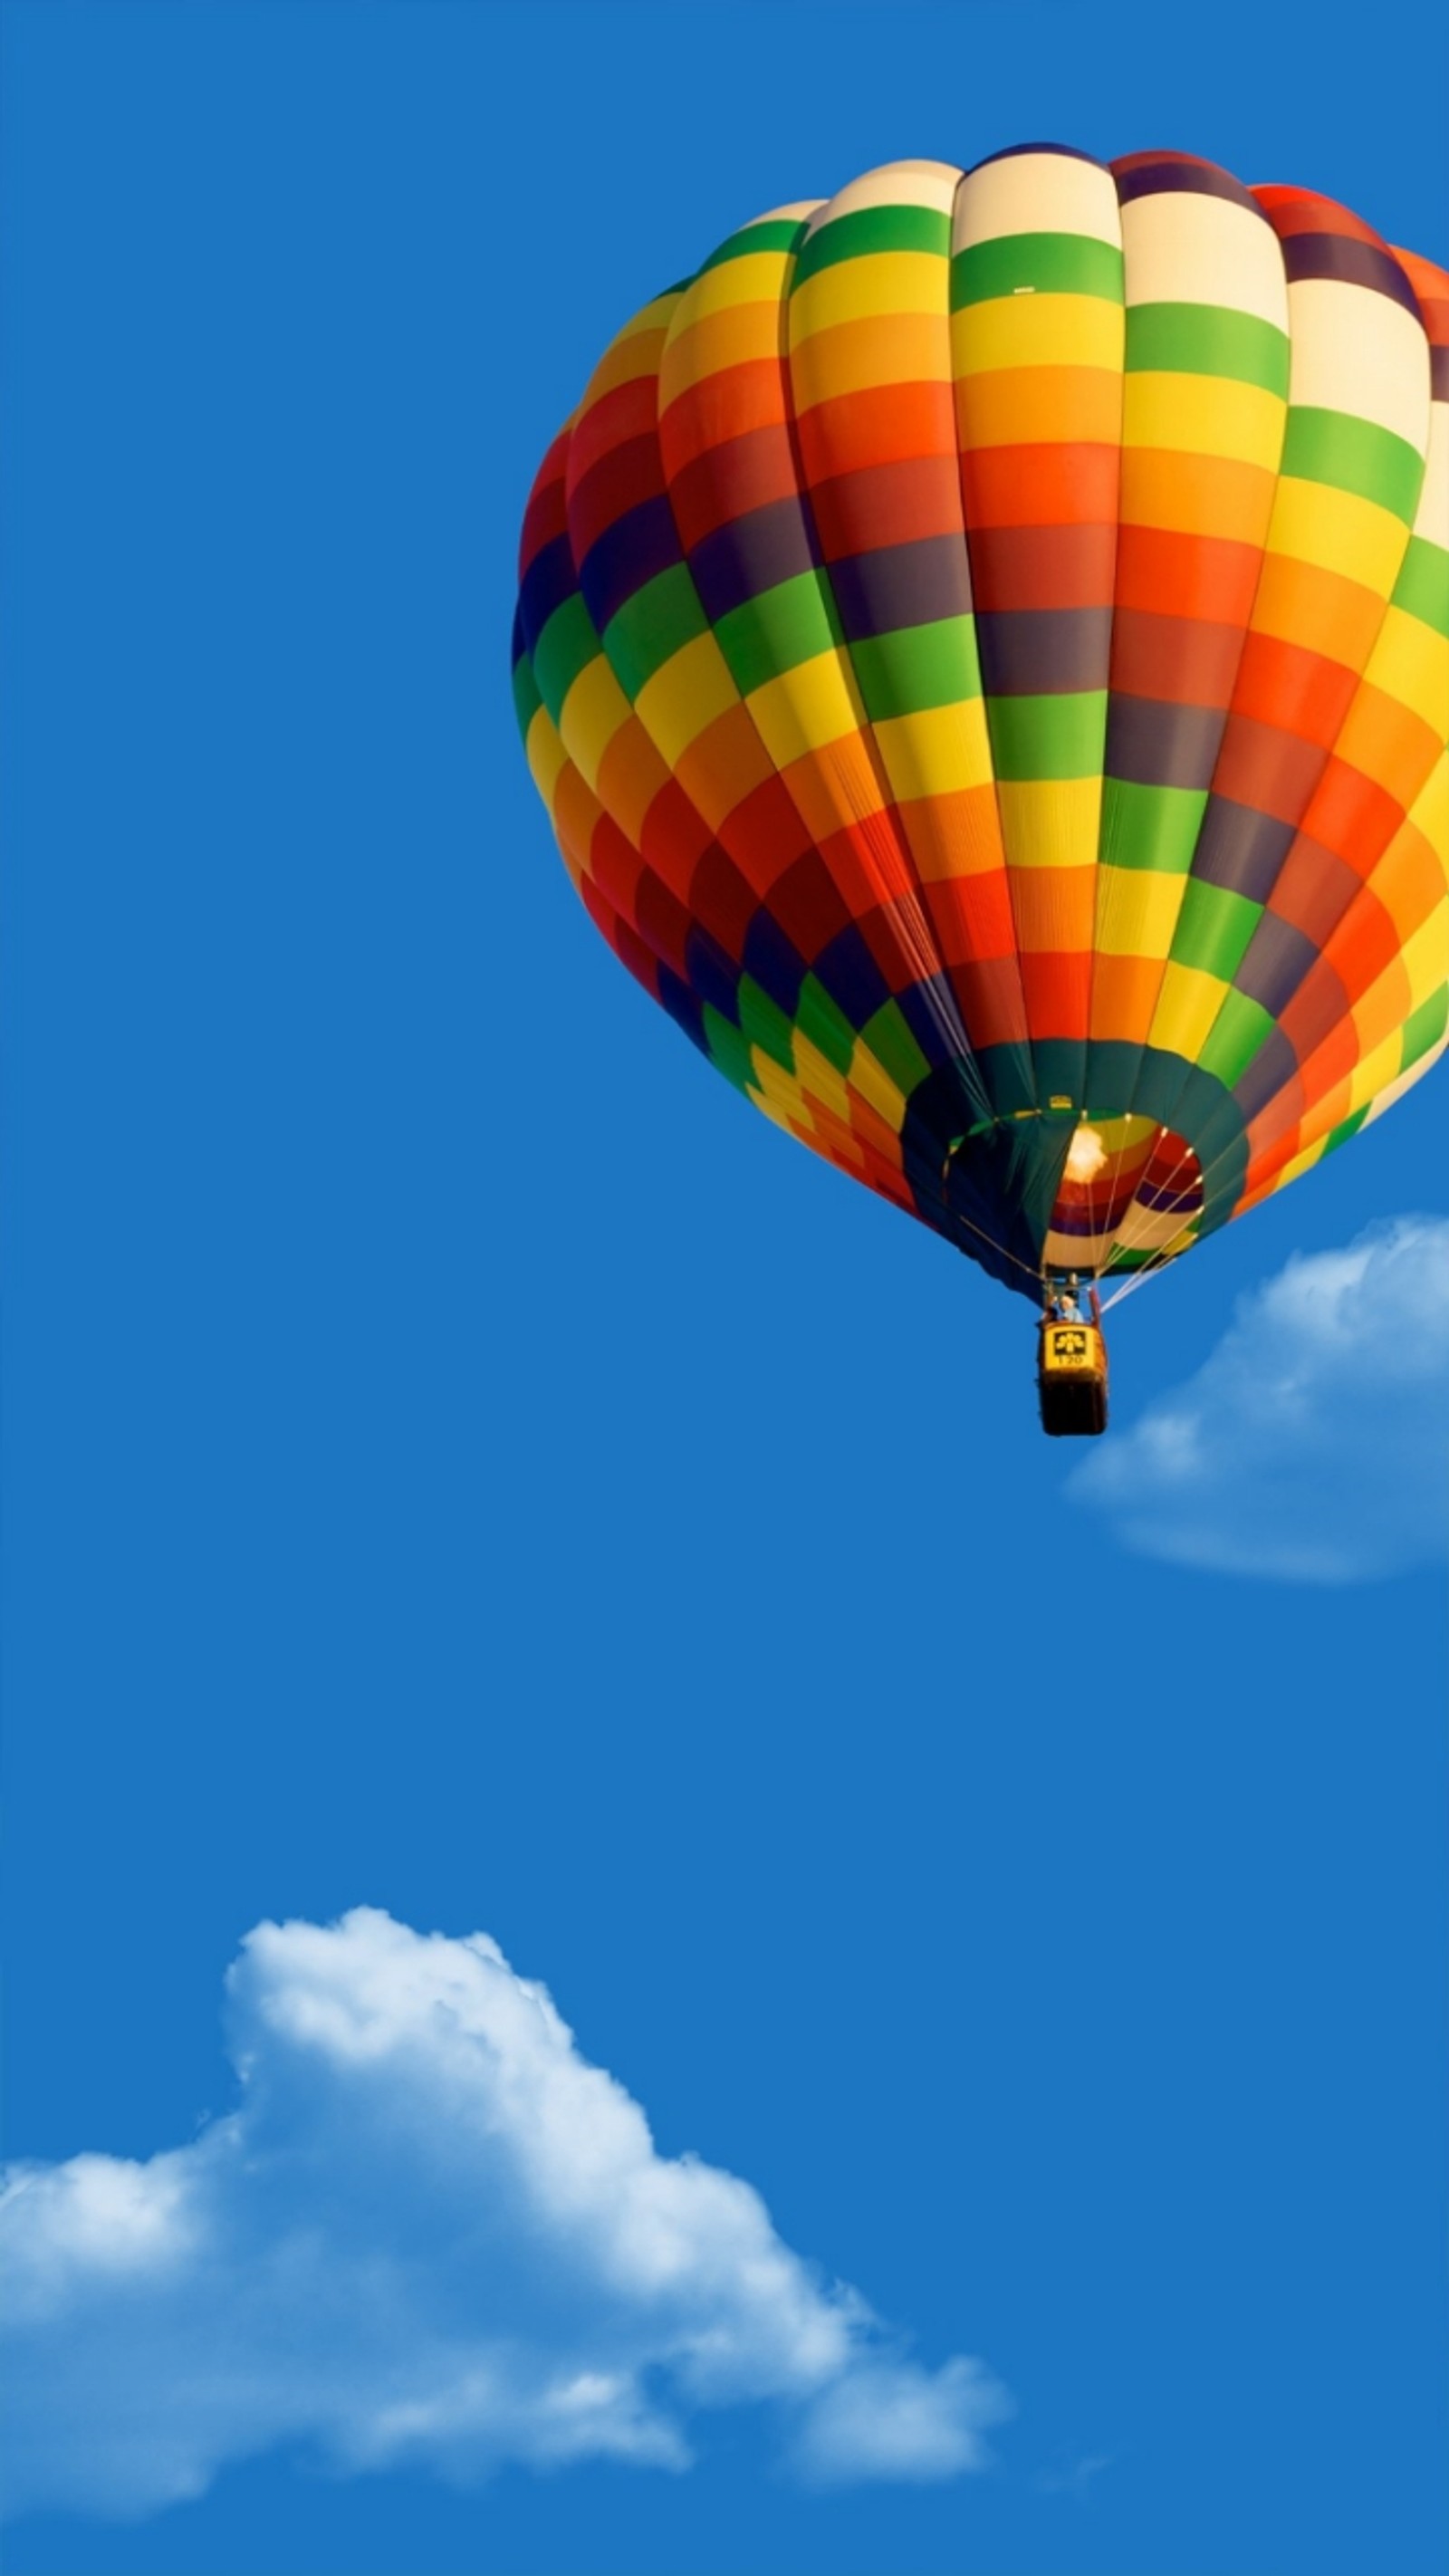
885,2422
432,2233
1314,1446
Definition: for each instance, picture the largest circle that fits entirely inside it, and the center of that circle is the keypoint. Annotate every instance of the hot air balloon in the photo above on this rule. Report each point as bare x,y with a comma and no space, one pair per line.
983,643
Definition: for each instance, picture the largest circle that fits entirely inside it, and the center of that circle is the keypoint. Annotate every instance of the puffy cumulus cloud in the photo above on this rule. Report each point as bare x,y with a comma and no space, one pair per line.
432,2233
1312,1447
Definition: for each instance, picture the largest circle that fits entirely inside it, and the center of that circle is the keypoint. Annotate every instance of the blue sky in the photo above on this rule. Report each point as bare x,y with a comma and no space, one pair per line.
459,1463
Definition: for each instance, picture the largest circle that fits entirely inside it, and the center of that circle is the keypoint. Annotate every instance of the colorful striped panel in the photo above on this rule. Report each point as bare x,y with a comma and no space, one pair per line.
1364,883
875,439
1350,475
1038,337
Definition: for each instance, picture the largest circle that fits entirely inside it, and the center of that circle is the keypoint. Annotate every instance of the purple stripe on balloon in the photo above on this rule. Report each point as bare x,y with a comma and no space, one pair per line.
1272,1069
1086,1222
1015,152
1278,959
1165,1201
929,1009
851,976
712,975
633,550
1153,742
1175,173
773,961
551,578
1042,652
1351,263
750,555
896,586
1241,849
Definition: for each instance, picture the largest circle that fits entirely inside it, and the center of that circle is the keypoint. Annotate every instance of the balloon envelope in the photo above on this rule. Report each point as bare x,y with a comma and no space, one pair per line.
982,645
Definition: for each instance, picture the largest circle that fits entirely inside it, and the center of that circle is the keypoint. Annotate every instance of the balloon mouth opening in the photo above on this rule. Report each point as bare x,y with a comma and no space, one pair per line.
1130,1196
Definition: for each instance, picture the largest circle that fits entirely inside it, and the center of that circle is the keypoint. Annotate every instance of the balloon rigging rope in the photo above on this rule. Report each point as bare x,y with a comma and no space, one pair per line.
1128,1241
1157,1262
1154,1265
1013,1257
1151,1269
1124,1237
1037,1274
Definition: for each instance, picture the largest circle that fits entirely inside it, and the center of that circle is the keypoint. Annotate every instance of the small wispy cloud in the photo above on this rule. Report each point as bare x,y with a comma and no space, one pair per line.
1075,2476
431,2234
1314,1445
